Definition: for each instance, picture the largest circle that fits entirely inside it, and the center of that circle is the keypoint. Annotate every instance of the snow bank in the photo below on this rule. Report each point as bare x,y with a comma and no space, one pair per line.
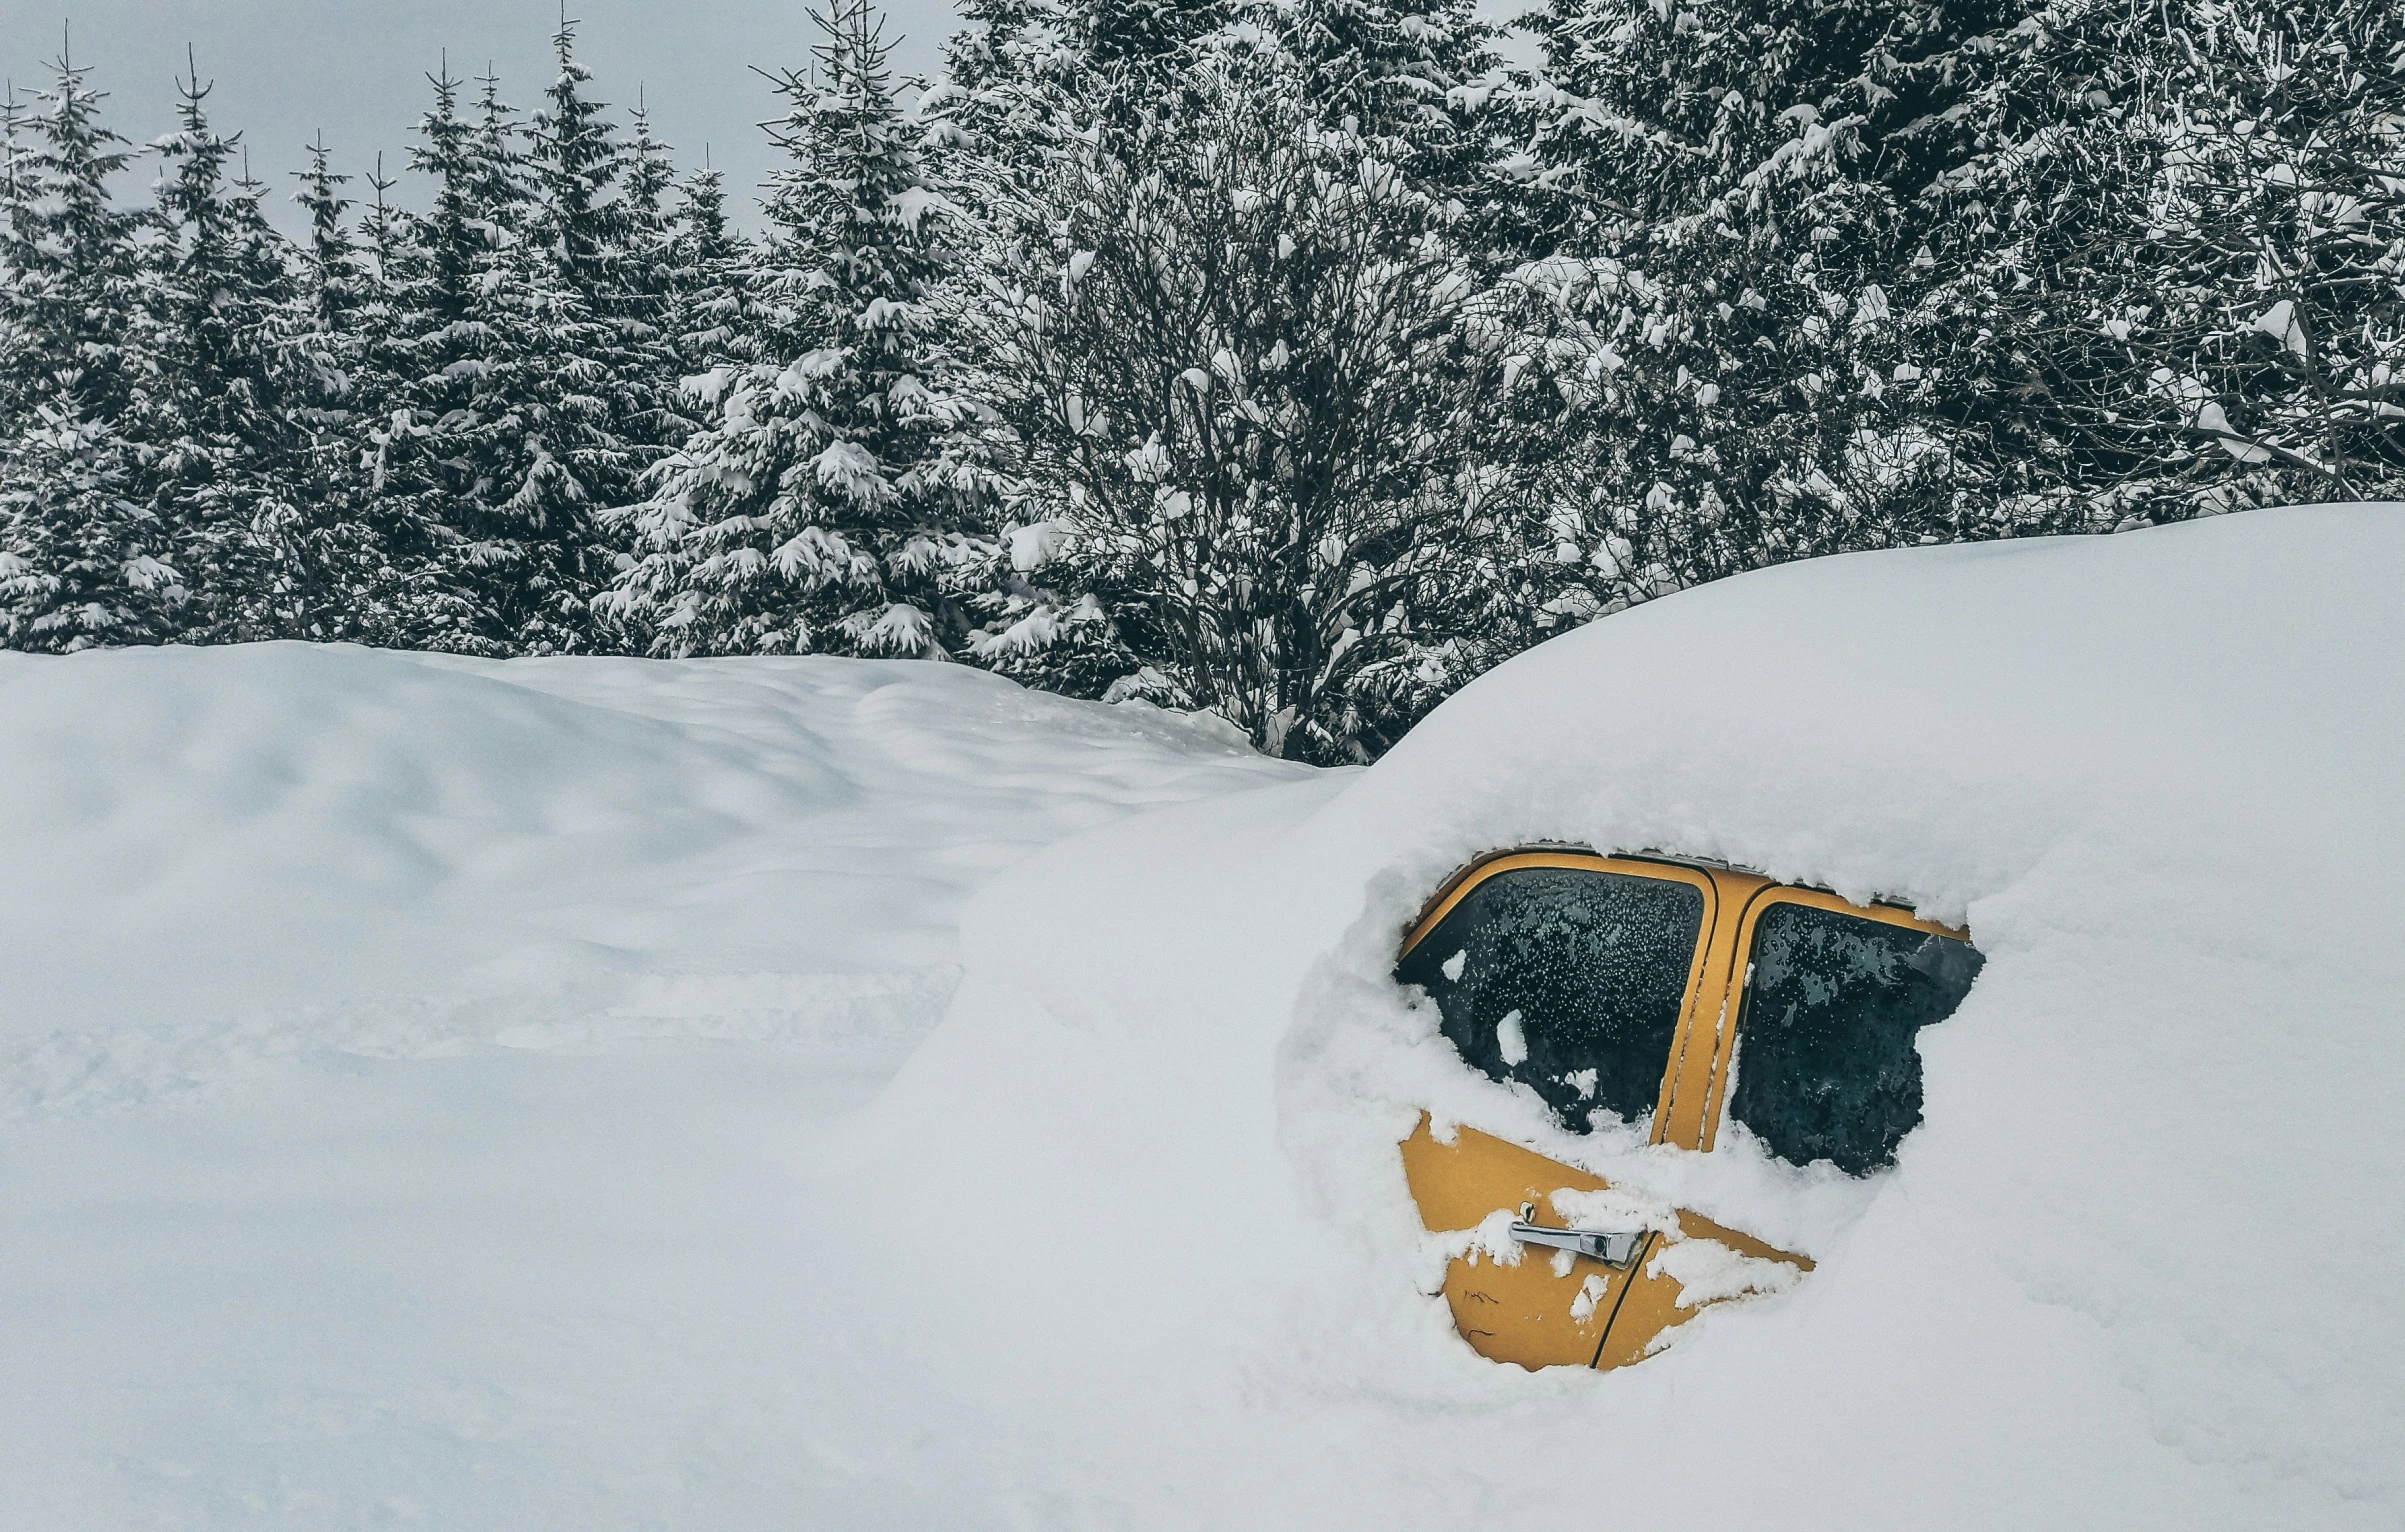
410,1068
1131,1241
433,1092
214,855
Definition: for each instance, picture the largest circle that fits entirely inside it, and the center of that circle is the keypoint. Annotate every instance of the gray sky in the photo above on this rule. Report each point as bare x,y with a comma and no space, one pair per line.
284,69
356,68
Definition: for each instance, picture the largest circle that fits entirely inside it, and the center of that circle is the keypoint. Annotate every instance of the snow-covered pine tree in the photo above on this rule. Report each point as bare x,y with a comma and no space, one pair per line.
651,276
383,229
450,245
359,563
1723,353
504,426
832,500
82,560
12,127
2179,251
12,153
1397,70
995,68
72,288
331,284
718,317
1392,70
1127,39
333,555
213,422
996,119
357,558
597,210
549,439
998,42
428,359
992,115
574,161
82,563
221,272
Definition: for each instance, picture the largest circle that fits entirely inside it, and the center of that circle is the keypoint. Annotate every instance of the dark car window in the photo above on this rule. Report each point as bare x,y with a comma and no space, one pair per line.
1566,979
1826,1064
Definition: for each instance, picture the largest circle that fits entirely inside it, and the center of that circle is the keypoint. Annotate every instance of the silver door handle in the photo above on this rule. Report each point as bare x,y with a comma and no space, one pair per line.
1615,1248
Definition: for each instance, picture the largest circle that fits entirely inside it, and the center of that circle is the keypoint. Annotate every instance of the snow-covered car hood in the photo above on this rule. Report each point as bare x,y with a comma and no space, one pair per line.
1134,1243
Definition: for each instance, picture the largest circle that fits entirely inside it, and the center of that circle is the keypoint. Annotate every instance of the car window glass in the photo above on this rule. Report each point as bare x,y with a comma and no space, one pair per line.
1567,979
1826,1064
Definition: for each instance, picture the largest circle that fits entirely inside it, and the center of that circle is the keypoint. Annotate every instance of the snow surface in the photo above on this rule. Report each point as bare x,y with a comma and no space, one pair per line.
472,1095
409,1066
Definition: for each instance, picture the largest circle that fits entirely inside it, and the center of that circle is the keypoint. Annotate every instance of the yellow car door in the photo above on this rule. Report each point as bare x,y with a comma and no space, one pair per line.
1628,986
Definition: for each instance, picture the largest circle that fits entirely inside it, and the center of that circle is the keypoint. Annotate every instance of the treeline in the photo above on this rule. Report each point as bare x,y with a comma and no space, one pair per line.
1289,358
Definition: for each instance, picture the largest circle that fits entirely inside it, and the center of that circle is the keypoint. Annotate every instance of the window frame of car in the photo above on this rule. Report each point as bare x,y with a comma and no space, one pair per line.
1728,1045
1578,858
1692,1100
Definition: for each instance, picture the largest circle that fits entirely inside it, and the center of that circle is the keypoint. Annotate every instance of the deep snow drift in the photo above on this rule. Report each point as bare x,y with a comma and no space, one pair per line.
217,854
2138,1269
466,1095
408,1066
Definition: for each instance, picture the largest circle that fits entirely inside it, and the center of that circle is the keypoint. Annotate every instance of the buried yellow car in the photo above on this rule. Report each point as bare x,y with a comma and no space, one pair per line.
1667,992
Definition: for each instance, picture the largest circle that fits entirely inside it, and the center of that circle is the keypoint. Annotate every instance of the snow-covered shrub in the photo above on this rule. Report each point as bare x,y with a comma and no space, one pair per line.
1233,342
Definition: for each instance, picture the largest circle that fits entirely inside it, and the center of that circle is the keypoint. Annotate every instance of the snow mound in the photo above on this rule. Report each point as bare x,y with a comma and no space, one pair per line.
2138,1267
217,855
474,1094
410,1067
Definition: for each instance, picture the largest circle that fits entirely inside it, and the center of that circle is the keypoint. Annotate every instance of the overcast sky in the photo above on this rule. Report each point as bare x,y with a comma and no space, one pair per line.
356,68
284,69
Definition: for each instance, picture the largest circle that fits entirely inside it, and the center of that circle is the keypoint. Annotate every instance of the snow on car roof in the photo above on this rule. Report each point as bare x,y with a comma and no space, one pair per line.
1133,1241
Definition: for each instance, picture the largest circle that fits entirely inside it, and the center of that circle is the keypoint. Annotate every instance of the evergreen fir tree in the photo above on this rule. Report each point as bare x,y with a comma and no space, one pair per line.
1394,70
1138,38
1722,354
72,290
214,423
83,560
651,271
2172,254
502,428
719,316
1002,111
608,249
827,504
574,162
1416,74
991,101
364,556
332,553
331,284
388,584
12,125
500,176
12,155
382,231
220,271
992,46
646,287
